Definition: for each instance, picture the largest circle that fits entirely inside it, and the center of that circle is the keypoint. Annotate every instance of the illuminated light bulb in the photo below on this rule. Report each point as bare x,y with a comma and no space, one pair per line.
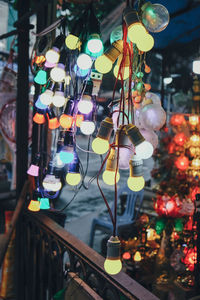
66,121
53,55
195,139
33,170
113,264
182,163
104,63
155,17
39,118
67,79
58,162
124,69
100,144
84,61
167,80
66,156
136,181
194,120
94,46
85,105
41,77
180,138
137,256
40,105
58,73
79,120
126,256
73,178
135,28
44,203
49,65
51,183
87,127
34,205
146,43
150,234
39,59
58,99
79,72
72,42
196,66
52,120
110,173
46,97
143,148
177,120
195,163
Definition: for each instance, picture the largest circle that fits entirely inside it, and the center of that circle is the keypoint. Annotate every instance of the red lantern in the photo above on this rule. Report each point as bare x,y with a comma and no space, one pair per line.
190,258
177,120
180,139
182,163
126,255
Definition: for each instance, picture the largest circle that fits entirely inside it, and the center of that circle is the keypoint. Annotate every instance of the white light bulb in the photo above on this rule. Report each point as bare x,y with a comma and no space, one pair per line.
144,150
51,183
94,45
85,105
196,66
58,74
87,127
84,61
58,99
46,97
52,56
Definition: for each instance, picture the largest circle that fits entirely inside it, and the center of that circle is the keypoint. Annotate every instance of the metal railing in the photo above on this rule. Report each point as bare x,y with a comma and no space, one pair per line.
46,252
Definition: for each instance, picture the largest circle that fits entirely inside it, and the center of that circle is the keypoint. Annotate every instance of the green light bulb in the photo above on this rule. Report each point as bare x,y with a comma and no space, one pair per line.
41,77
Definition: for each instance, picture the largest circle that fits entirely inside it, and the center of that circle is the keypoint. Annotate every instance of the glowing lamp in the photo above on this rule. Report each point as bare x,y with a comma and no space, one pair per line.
135,27
146,43
51,183
100,144
111,172
112,264
177,120
194,120
104,63
34,205
170,206
182,163
73,176
136,180
94,46
150,234
67,152
195,163
179,225
137,256
39,118
52,120
79,120
44,203
58,99
87,127
126,255
53,55
41,77
72,42
160,225
58,74
33,170
40,105
196,66
180,139
39,59
66,121
46,97
195,140
84,61
80,72
124,69
85,105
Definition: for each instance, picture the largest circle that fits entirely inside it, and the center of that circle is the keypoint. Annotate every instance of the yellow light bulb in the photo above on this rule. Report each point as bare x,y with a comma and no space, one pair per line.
109,177
137,256
125,72
146,43
135,31
73,178
103,64
100,146
72,42
136,184
112,266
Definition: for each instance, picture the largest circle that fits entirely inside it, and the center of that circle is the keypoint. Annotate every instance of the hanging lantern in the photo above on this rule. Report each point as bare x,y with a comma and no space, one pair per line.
177,120
182,163
180,139
194,120
195,163
126,256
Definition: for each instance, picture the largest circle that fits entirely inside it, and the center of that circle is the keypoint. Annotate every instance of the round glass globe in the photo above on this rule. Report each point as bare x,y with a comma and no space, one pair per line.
94,45
136,184
85,106
66,157
87,127
72,42
146,43
100,146
144,150
155,17
135,32
73,178
57,74
58,100
84,61
112,266
46,97
103,64
109,177
52,56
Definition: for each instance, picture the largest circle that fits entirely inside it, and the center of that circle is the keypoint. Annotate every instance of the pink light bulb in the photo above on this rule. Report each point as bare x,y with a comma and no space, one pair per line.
33,170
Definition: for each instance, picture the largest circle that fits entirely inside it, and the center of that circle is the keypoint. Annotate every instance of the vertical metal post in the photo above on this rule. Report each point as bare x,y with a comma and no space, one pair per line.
22,105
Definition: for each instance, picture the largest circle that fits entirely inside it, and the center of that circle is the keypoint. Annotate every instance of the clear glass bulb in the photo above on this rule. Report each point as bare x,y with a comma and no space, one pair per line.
103,64
73,178
112,266
85,105
57,74
84,61
46,97
87,127
100,146
109,177
136,184
58,99
52,56
155,17
144,150
72,42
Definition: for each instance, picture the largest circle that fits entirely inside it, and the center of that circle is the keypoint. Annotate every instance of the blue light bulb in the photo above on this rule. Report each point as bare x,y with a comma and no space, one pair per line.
81,72
40,105
66,157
